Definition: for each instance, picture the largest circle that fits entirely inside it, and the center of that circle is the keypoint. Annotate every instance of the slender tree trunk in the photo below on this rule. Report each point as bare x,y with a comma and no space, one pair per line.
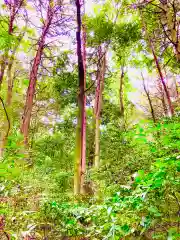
14,8
83,149
149,100
170,106
97,110
121,102
33,77
121,98
97,143
81,108
9,93
98,105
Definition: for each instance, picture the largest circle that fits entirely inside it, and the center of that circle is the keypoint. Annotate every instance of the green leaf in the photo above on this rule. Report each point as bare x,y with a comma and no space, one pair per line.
26,82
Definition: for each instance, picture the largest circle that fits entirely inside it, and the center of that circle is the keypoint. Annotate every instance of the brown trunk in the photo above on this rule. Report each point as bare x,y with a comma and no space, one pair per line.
121,100
121,103
149,100
14,8
81,108
33,77
83,149
12,17
98,104
170,107
9,94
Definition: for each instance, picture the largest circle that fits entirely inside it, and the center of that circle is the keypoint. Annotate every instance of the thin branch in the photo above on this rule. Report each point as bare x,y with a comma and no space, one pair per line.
7,117
89,87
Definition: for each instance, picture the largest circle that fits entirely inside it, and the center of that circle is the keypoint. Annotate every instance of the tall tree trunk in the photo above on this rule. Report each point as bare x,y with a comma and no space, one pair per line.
33,77
98,104
121,100
9,94
14,8
4,135
83,149
81,108
149,100
170,106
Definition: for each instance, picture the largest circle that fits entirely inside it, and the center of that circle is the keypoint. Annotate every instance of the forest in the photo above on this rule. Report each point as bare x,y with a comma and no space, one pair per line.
89,119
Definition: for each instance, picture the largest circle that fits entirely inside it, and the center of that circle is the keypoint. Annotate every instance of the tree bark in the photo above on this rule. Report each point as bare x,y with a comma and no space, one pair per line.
81,109
14,8
98,104
169,18
9,94
170,106
83,149
121,98
33,77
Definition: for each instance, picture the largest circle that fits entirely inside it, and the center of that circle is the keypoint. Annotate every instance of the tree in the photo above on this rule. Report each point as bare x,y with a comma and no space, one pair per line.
83,148
80,134
151,46
86,100
98,101
52,11
14,8
8,59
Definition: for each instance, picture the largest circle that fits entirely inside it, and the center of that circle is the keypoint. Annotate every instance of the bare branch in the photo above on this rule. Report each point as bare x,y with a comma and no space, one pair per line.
7,117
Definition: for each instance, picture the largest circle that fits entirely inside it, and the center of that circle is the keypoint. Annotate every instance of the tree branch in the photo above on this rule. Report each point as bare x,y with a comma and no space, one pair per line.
7,117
